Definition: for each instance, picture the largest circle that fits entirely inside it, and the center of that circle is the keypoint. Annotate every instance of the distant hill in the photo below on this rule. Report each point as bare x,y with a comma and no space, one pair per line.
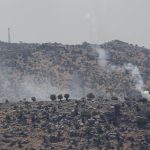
40,69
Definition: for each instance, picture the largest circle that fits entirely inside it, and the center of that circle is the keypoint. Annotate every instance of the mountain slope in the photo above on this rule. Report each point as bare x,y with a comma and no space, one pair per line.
40,69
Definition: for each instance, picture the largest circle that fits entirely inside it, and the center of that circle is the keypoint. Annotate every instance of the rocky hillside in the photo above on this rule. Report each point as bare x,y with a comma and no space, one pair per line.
87,124
113,68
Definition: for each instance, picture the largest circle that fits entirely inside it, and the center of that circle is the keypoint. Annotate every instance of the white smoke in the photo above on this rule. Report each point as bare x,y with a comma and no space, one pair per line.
15,90
136,75
137,79
146,94
27,87
102,57
76,89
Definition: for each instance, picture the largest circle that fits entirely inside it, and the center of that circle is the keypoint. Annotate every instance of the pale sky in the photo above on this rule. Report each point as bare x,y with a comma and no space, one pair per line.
75,21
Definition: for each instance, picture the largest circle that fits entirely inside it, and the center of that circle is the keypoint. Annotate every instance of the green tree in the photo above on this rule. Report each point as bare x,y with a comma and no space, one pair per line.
60,97
67,96
53,97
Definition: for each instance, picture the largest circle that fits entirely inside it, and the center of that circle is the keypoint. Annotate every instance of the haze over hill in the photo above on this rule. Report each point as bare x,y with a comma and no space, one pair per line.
113,68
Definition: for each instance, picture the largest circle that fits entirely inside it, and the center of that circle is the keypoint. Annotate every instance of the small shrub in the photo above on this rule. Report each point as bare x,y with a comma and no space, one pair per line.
85,114
117,109
147,138
99,129
6,101
33,99
90,96
7,118
138,108
143,100
114,98
148,114
141,122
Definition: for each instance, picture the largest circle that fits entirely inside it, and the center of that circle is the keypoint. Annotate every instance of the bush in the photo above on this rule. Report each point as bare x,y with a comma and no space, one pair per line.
99,129
90,96
85,114
7,118
148,114
141,121
117,109
114,98
143,100
147,138
33,99
53,97
88,130
6,101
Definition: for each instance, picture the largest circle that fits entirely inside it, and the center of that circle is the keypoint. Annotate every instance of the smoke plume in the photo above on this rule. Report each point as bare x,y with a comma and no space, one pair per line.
136,75
102,57
137,79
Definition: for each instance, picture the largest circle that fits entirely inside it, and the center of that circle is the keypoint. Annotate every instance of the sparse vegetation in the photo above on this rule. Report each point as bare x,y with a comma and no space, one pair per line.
76,122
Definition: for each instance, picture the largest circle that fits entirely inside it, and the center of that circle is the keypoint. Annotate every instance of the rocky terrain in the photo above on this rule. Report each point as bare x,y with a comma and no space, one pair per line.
114,68
86,124
112,78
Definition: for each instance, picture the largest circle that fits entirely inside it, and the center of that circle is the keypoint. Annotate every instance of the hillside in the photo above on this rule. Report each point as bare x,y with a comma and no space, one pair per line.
113,68
87,124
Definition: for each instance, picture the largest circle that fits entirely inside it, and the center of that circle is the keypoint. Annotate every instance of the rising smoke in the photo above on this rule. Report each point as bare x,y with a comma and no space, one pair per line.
103,56
15,90
136,76
18,89
138,80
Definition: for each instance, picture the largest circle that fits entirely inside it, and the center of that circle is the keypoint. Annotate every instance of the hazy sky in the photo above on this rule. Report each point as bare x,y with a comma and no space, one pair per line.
75,21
